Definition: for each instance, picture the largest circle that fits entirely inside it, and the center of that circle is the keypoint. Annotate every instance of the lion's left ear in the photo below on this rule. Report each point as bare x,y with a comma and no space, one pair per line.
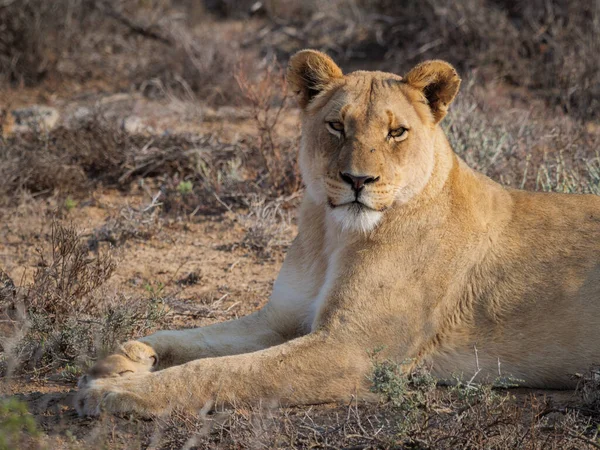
439,83
309,73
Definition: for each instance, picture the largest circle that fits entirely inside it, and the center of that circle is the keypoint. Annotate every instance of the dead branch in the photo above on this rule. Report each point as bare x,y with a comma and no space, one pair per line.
134,27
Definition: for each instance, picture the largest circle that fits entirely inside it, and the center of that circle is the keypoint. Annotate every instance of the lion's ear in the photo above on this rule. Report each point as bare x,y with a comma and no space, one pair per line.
439,83
309,72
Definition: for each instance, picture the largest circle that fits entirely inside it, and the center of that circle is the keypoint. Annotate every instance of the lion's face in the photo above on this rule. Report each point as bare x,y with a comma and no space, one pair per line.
367,141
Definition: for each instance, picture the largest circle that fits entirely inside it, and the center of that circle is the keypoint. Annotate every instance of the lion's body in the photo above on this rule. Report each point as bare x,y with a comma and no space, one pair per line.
436,264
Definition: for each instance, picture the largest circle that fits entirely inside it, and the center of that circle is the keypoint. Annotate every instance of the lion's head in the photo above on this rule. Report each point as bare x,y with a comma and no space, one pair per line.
368,140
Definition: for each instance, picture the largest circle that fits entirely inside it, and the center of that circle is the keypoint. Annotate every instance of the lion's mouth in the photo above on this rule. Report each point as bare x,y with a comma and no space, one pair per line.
354,205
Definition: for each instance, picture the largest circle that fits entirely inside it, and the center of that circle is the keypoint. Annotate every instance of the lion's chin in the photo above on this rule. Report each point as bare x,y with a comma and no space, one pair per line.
356,217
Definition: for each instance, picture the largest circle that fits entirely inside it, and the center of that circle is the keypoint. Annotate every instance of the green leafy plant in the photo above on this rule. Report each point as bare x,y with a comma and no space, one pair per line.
185,187
70,204
15,420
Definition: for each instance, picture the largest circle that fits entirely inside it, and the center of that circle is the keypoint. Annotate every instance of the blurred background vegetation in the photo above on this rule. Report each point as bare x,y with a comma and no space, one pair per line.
548,47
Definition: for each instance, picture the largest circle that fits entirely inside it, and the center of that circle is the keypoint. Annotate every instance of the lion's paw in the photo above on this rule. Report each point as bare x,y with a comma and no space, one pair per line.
101,397
132,357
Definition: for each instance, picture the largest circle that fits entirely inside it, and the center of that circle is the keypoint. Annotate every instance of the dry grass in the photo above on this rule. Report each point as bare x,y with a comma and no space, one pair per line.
522,146
267,226
196,174
413,413
63,318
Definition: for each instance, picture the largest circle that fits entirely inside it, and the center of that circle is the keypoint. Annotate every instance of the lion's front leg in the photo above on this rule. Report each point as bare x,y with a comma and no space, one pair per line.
312,369
168,348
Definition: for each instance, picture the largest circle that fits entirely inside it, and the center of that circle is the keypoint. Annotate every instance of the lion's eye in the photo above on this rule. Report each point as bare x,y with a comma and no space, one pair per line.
397,133
336,126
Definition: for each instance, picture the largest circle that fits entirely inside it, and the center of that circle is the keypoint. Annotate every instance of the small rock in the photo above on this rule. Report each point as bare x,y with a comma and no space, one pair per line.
81,113
135,125
34,118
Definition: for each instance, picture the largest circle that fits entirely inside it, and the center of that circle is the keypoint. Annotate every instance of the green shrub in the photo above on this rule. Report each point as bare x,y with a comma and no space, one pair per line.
16,424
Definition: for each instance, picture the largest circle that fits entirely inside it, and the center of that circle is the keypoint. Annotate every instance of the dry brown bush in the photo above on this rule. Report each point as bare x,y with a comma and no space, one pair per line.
267,98
132,44
200,63
34,33
549,47
64,279
62,319
196,174
71,161
522,146
64,159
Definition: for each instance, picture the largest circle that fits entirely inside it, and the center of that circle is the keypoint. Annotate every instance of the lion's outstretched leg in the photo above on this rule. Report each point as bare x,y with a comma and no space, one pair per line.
282,319
247,334
172,347
311,369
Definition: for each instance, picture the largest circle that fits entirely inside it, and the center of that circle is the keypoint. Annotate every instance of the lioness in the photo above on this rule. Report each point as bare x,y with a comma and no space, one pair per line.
400,246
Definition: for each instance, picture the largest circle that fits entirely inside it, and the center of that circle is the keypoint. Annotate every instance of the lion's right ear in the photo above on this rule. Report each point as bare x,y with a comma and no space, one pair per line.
309,72
438,82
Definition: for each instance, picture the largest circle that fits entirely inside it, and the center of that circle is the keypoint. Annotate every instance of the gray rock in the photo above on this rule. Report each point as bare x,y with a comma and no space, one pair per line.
135,125
34,118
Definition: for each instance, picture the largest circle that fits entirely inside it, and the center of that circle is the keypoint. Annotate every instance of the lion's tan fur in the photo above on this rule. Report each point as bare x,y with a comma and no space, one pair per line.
443,262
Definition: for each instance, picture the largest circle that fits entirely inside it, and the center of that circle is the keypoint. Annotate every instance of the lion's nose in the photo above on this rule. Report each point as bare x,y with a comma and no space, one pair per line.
357,181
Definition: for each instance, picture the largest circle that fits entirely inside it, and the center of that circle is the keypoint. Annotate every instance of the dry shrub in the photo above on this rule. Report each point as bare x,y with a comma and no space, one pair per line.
522,147
33,34
64,279
267,98
128,43
558,41
199,66
130,222
64,159
549,47
212,180
196,174
63,317
98,151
